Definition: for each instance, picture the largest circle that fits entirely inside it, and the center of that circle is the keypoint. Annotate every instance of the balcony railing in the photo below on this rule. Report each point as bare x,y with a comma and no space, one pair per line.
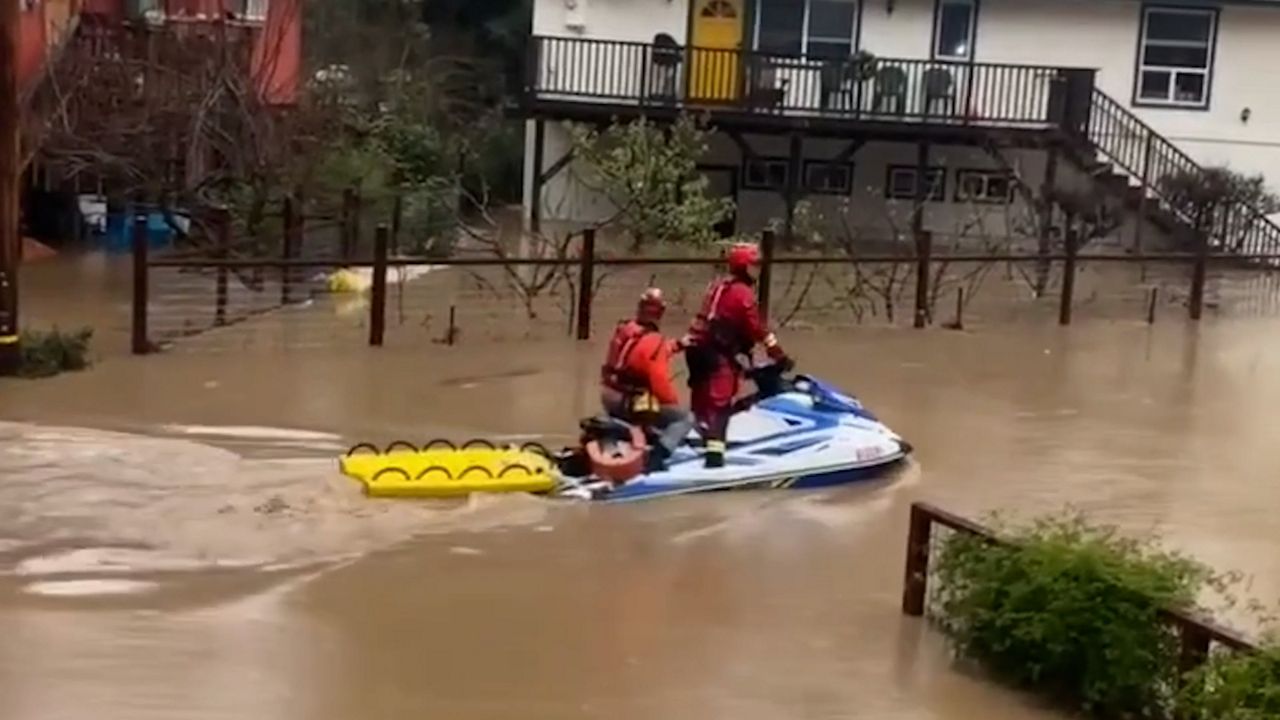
649,75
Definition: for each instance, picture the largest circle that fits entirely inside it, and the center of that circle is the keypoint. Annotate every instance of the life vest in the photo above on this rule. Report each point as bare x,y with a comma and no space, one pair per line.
711,329
615,373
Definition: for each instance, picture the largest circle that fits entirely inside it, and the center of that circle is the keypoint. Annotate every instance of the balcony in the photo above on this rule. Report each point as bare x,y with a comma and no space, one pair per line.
617,76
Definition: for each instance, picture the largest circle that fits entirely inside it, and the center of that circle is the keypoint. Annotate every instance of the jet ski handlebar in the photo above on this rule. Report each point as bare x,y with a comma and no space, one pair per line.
770,378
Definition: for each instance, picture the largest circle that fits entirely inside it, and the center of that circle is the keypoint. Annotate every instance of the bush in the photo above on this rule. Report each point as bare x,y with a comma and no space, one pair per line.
1071,610
1236,686
45,354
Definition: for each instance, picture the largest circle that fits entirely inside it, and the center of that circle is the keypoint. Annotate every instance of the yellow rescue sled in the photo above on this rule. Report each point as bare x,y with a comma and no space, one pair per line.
441,469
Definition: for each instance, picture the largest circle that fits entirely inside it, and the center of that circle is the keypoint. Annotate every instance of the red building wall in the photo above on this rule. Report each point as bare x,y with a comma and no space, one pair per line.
277,53
31,41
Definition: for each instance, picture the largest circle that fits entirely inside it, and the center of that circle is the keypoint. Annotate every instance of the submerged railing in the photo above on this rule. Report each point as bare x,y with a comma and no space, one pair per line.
1196,635
862,87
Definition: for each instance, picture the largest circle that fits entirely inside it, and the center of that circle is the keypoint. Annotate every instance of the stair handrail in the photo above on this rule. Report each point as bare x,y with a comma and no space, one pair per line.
1137,152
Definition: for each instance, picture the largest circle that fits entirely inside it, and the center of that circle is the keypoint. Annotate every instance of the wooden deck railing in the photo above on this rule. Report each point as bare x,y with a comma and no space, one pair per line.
859,87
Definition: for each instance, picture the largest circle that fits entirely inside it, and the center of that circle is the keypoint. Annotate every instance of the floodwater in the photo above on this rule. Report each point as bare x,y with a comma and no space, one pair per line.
175,540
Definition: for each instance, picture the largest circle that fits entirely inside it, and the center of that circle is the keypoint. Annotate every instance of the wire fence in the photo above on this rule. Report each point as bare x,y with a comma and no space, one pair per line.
328,288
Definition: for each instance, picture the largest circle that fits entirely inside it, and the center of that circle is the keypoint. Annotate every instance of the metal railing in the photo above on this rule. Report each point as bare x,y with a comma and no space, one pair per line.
1154,161
859,87
1197,635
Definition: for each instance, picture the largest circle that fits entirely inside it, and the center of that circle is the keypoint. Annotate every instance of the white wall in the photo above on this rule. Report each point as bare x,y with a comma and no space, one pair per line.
1103,34
567,202
634,20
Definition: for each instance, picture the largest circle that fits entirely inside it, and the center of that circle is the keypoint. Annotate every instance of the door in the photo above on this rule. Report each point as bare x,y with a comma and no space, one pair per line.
715,61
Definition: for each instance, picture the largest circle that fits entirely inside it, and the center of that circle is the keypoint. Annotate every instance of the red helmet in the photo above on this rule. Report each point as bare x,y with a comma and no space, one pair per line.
651,306
743,256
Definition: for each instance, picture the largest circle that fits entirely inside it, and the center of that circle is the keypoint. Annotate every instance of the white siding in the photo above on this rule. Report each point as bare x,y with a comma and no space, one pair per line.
634,20
1103,34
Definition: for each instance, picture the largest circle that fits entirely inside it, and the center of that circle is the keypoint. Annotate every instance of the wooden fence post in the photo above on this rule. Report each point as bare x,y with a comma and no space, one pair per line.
141,344
1068,274
223,229
378,294
288,246
586,282
1199,270
916,581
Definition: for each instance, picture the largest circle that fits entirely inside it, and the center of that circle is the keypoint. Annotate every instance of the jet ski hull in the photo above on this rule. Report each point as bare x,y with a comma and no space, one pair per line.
808,435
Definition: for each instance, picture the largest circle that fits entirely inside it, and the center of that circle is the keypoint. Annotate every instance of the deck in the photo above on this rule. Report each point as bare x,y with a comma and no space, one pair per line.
599,80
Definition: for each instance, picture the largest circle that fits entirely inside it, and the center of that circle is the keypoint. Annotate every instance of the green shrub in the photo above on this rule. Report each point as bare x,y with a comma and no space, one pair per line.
1071,610
45,354
1234,686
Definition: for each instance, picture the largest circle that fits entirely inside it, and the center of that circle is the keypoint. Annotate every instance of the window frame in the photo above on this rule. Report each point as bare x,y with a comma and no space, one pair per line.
1140,67
809,187
855,32
937,196
936,36
767,160
987,174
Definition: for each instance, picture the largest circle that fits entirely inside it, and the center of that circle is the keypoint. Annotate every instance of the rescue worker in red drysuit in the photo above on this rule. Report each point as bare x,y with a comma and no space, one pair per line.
636,379
728,325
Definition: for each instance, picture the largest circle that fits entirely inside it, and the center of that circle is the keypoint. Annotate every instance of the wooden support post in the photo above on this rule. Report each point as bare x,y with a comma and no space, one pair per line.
453,325
1069,273
763,287
223,251
915,583
141,343
586,282
1139,225
1044,246
378,294
539,153
923,239
1152,299
10,239
794,188
1199,270
959,308
1193,651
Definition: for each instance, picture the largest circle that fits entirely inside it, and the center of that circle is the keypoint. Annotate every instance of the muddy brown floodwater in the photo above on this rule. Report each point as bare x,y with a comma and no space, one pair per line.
175,540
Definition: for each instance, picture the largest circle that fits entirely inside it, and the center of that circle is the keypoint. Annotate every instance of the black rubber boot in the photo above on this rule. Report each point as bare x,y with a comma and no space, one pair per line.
656,460
714,455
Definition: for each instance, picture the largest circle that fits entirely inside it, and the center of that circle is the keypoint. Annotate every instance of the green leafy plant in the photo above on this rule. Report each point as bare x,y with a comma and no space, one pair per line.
1234,686
1072,610
650,173
45,354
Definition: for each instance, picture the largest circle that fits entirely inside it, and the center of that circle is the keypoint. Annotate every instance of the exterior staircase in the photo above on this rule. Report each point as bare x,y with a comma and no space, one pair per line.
1132,161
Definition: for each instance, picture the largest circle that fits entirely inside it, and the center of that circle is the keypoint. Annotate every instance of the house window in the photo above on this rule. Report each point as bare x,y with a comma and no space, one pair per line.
1175,62
984,186
762,173
828,178
900,184
954,25
817,28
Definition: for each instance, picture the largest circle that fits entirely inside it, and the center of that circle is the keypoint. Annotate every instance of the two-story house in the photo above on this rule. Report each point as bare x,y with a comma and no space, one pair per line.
847,102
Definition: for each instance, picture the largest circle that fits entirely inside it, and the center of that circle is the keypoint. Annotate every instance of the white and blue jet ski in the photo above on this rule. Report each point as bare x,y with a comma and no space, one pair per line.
795,433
